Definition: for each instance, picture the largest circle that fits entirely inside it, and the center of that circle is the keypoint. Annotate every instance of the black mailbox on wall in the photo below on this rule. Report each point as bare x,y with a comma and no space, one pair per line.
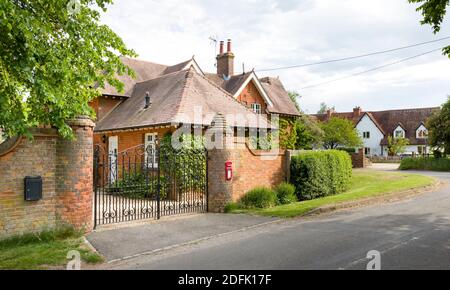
33,188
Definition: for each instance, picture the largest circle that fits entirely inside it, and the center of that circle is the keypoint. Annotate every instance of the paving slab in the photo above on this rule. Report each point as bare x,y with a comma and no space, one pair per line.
120,243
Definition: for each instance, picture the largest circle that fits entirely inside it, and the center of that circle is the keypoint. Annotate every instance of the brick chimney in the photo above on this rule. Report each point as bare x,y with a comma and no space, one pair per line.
357,113
330,113
225,60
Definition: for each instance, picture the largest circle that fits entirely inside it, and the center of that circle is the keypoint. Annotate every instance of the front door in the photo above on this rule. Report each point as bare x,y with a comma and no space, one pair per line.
113,150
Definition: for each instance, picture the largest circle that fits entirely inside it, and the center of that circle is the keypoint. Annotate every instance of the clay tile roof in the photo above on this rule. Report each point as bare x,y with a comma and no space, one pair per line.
175,99
387,121
282,103
144,71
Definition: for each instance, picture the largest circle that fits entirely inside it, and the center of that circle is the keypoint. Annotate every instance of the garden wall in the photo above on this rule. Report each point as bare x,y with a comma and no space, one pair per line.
251,168
66,171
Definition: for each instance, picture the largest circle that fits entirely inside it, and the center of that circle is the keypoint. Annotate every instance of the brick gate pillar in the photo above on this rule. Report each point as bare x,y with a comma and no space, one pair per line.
220,191
74,176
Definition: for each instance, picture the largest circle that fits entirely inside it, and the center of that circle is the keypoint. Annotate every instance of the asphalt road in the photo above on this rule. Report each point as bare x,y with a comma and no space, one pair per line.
411,234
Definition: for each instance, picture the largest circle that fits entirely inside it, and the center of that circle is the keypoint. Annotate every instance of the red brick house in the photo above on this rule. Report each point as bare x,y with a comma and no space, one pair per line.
162,98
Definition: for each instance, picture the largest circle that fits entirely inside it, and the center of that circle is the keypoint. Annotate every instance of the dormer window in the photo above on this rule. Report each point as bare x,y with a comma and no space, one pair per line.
399,132
256,108
422,132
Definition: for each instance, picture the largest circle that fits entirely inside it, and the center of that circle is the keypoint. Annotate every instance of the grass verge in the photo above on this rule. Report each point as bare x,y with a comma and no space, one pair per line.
45,250
364,184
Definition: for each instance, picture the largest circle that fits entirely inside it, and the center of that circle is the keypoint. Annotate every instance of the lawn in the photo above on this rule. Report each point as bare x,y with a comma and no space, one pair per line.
364,184
43,251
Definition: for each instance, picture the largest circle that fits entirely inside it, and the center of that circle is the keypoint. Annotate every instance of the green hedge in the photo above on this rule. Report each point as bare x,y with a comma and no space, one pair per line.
321,173
260,197
285,193
433,164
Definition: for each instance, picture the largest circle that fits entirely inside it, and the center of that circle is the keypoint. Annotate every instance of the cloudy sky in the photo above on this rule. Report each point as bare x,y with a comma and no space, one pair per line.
277,33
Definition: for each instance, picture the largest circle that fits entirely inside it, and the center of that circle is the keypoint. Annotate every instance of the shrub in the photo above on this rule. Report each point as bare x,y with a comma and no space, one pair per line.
348,150
286,193
432,164
321,173
437,154
230,207
260,197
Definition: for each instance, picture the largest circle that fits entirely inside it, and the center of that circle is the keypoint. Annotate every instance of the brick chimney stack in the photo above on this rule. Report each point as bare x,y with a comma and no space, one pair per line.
225,60
357,113
330,113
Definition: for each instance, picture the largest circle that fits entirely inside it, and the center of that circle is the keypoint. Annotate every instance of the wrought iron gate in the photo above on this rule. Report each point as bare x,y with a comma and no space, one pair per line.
148,183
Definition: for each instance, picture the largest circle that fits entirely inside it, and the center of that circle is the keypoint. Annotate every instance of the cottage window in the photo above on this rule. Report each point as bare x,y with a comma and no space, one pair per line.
366,135
422,134
367,151
150,150
256,108
399,134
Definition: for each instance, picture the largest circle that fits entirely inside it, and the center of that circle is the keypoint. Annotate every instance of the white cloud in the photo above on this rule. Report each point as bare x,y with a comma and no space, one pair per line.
273,33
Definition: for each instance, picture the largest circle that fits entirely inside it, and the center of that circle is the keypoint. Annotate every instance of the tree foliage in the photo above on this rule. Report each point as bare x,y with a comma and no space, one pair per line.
324,108
299,133
340,132
294,97
433,12
53,59
439,128
397,146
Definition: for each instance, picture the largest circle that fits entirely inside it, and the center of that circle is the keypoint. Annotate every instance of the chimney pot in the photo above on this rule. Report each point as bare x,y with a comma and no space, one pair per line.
229,46
221,47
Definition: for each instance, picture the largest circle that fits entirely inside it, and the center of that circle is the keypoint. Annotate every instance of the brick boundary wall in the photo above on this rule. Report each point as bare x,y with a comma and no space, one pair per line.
251,168
66,171
359,160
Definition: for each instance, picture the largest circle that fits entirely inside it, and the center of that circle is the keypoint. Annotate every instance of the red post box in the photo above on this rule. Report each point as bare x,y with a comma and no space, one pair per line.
228,171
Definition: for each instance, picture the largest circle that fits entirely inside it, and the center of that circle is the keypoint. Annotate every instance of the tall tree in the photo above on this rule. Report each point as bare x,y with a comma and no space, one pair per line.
54,57
324,108
439,128
433,12
308,133
340,132
295,96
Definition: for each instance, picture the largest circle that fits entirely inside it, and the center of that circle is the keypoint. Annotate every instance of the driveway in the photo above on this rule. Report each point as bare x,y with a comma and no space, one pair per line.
127,242
410,234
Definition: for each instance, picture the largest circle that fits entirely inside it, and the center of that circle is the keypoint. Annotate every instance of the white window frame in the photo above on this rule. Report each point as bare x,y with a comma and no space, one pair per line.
152,144
256,108
367,151
366,135
401,131
424,132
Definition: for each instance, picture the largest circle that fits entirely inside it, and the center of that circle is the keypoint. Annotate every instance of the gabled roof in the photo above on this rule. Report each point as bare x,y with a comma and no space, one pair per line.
281,102
388,121
271,89
145,71
176,98
371,117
